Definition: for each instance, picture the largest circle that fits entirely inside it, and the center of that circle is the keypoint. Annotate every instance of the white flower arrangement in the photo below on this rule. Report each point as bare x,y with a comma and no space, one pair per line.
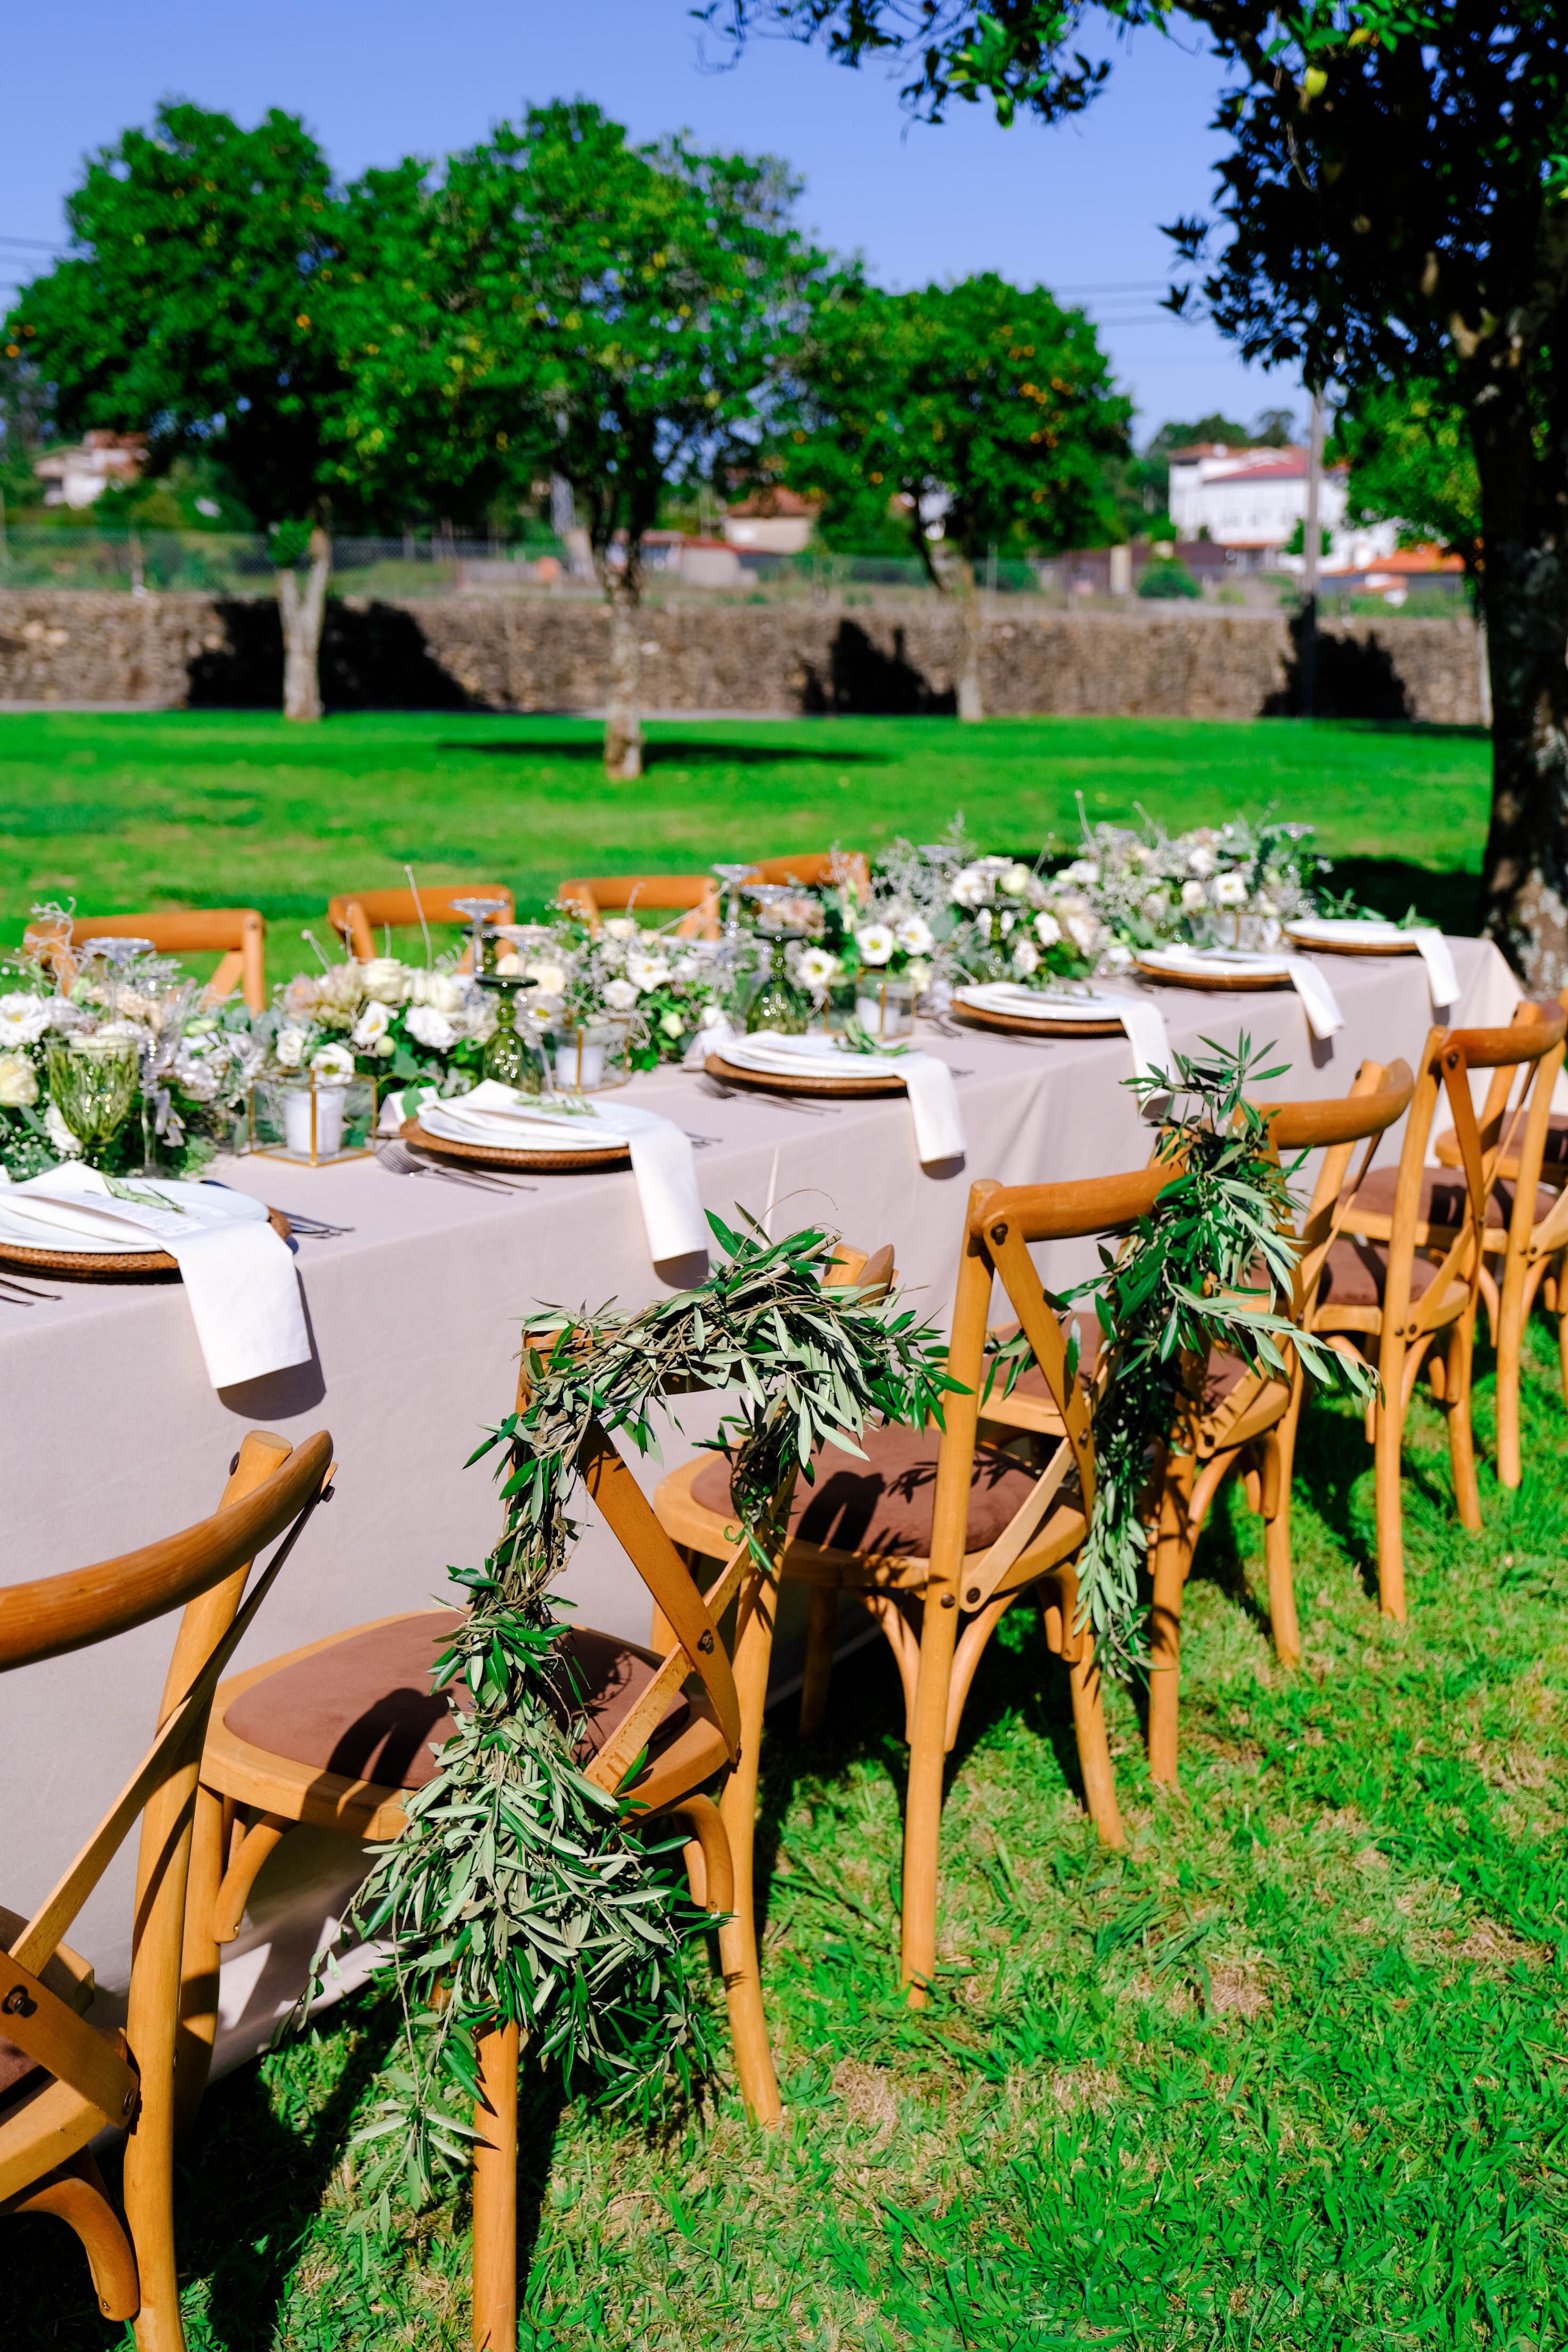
398,1022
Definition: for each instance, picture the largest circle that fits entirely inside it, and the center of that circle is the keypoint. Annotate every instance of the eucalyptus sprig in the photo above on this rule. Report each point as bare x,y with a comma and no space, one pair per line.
1211,1266
519,1890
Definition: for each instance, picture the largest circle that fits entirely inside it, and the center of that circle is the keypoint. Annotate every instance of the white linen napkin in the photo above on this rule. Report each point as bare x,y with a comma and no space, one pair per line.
662,1159
927,1082
1143,1023
1368,931
1438,957
1318,1000
239,1277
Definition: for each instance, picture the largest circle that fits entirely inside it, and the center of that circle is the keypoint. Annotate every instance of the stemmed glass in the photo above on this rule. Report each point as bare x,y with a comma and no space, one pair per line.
478,911
731,877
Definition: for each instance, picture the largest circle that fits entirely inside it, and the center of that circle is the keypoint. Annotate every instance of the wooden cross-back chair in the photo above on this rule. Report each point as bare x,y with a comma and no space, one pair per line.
934,1529
597,896
1393,1285
337,1732
1526,1228
357,916
62,2081
237,933
1244,1419
812,867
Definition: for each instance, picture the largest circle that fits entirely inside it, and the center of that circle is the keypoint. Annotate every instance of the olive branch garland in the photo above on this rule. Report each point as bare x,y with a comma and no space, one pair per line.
519,1890
1209,1266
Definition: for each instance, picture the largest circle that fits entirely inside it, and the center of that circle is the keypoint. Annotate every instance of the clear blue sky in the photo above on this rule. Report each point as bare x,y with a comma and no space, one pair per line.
1075,207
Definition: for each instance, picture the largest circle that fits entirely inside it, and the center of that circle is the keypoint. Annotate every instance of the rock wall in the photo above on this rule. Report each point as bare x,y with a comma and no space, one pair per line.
501,653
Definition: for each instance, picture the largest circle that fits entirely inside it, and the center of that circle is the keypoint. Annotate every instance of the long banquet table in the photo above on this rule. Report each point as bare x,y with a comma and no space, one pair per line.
414,1289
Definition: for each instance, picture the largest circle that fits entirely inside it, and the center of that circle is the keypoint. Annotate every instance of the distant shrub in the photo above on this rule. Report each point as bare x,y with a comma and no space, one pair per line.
1167,576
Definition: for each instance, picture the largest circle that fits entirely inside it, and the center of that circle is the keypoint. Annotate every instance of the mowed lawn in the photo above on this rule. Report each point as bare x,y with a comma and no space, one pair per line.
215,808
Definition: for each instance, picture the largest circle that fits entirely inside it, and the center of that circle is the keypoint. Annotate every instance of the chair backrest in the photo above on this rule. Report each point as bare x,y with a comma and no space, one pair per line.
1377,1098
595,896
356,915
99,2079
813,866
237,933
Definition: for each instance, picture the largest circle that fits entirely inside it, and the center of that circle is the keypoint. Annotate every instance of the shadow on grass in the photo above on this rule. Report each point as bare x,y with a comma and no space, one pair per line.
666,752
1391,885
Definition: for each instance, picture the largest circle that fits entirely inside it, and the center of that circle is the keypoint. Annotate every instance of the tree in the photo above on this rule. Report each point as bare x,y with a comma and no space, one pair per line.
1393,209
1412,464
189,307
985,407
576,306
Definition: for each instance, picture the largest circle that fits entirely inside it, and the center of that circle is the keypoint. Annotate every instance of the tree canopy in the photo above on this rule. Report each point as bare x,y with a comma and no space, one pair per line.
1412,464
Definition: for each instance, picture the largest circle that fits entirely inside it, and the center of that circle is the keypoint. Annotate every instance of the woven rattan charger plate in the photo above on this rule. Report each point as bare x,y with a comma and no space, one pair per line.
1234,981
1025,1025
110,1266
1403,945
500,1155
781,1082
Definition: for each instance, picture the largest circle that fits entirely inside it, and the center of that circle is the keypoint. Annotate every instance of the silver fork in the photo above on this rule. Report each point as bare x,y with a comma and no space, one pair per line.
397,1159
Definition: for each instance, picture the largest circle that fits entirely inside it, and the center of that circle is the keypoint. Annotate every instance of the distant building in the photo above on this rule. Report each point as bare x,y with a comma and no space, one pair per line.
775,521
74,477
1251,501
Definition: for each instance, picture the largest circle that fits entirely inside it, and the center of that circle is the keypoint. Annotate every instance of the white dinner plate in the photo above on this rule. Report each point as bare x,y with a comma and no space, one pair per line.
215,1200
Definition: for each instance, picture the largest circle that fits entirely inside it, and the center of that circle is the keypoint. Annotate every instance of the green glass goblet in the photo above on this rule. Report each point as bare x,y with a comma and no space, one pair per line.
510,1059
92,1084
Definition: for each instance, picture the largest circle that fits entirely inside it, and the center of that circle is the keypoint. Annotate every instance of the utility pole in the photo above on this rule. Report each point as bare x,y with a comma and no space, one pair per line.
1311,540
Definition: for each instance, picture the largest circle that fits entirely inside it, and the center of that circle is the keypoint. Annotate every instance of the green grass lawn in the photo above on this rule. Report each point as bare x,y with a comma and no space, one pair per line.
214,808
1288,2073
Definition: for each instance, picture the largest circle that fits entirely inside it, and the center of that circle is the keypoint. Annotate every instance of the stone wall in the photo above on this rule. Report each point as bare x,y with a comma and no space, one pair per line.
502,653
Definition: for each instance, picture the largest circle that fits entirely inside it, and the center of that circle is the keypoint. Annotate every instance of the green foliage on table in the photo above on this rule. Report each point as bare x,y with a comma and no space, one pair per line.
518,1886
1391,206
1210,1268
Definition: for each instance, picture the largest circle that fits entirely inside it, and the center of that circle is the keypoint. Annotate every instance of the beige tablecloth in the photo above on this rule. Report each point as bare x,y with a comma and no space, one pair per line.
114,1436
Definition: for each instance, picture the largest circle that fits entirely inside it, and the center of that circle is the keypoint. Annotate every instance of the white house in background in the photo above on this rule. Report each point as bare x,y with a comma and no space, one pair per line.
1252,499
74,477
775,521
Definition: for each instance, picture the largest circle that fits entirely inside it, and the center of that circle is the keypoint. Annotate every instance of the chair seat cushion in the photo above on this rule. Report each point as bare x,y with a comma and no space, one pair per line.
882,1506
1355,1273
363,1707
1443,1198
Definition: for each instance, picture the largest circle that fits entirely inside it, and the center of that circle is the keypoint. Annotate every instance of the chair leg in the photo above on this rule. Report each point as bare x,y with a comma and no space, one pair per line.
923,1810
1388,1436
821,1633
1093,1747
1277,1533
199,1960
1512,1316
152,2032
495,2193
1170,1549
738,1811
1461,1438
76,2195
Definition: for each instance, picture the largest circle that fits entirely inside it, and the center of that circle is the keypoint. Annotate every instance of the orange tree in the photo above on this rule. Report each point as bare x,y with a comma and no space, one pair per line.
985,408
1393,203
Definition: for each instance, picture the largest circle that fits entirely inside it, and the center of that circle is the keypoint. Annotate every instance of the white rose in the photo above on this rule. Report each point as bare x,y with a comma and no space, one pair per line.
913,935
815,967
289,1049
621,927
431,1028
385,979
1015,881
18,1082
970,885
446,991
877,943
59,1135
1202,861
1047,930
1082,869
302,995
1193,896
1025,958
343,986
645,971
619,996
1230,891
1084,932
551,977
24,1018
334,1065
371,1026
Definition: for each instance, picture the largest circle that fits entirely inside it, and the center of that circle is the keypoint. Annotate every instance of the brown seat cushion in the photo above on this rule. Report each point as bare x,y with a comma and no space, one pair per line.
882,1505
1356,1271
363,1705
1443,1198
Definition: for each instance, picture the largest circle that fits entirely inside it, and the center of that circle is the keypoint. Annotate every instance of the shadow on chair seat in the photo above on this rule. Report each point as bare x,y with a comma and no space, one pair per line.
882,1506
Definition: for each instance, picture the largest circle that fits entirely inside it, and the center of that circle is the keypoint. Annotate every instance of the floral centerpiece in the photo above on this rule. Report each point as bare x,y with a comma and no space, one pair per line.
1235,884
404,1025
193,1066
664,991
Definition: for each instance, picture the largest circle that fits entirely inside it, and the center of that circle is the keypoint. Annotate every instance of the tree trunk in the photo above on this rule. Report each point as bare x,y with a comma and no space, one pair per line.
623,724
302,612
1524,531
971,619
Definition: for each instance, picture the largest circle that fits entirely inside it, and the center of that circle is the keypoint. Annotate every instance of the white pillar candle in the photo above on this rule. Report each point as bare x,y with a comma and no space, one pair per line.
579,1063
330,1105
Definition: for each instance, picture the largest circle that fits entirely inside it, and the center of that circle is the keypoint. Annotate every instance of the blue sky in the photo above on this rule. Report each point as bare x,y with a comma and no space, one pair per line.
1076,207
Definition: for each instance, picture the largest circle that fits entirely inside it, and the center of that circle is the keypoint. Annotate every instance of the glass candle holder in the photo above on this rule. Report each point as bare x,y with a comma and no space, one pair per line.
93,1082
312,1120
590,1055
884,1005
